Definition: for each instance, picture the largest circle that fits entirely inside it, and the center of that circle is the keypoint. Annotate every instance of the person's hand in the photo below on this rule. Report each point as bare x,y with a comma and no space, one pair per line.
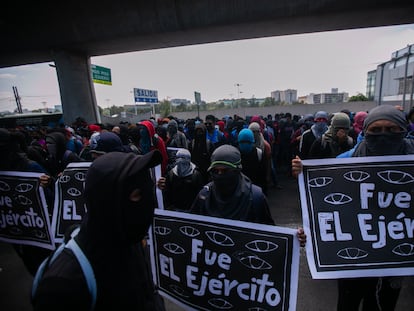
45,180
301,236
342,135
296,166
161,183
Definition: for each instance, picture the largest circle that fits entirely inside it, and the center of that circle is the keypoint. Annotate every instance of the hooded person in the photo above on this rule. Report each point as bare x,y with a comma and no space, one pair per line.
335,140
149,140
175,138
106,142
319,127
120,200
182,183
201,149
253,160
231,194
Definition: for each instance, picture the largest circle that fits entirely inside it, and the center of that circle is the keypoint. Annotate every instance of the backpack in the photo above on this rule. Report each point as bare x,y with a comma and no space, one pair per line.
82,260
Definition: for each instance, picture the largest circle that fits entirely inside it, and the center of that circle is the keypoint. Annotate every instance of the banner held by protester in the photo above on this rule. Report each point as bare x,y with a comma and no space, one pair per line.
24,216
206,263
358,214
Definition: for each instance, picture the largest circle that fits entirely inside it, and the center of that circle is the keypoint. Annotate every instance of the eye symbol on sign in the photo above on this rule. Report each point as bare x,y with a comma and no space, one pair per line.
220,303
22,200
74,192
352,253
404,249
64,178
337,198
357,176
162,230
179,291
174,248
396,177
320,181
261,246
252,261
23,187
219,238
80,176
4,186
189,231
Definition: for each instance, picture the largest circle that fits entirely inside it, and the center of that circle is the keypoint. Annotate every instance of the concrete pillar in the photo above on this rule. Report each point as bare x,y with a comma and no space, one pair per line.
76,87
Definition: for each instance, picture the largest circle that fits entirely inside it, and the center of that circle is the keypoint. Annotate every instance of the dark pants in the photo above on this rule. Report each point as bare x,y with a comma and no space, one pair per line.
375,294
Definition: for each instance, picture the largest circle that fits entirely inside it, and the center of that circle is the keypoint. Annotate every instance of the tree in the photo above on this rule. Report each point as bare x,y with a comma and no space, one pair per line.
358,98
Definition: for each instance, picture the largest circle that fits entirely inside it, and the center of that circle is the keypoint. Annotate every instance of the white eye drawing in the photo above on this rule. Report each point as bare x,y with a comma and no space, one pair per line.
352,253
4,186
220,303
189,231
252,261
22,200
357,176
396,177
15,230
74,192
404,249
39,234
219,238
174,248
337,198
320,182
81,176
23,187
261,246
64,179
162,230
179,291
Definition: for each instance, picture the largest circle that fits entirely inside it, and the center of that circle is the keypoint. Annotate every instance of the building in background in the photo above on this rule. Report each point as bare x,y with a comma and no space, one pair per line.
287,96
393,82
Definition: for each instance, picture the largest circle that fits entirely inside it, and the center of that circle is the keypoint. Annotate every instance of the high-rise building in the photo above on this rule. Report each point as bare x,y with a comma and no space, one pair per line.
287,96
394,79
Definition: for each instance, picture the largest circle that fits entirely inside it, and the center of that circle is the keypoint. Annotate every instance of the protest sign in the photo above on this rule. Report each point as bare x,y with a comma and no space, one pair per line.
69,205
208,263
358,216
24,216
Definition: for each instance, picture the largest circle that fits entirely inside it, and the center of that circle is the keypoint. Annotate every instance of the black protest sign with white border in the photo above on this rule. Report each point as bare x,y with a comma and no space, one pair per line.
208,263
358,215
69,206
24,215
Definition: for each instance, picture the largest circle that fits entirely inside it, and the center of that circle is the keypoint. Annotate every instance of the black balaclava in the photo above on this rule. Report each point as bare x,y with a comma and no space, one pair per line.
385,143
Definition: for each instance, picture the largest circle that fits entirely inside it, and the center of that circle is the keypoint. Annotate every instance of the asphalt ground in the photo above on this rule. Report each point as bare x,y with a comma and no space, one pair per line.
313,295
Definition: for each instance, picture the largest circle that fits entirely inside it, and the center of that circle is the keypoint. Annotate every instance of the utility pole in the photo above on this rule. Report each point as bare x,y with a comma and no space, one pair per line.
17,98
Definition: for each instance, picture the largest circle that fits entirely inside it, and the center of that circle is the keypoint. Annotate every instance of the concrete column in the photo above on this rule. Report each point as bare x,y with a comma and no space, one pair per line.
76,87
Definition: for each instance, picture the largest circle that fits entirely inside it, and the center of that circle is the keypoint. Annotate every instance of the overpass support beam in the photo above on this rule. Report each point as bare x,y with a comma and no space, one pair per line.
76,87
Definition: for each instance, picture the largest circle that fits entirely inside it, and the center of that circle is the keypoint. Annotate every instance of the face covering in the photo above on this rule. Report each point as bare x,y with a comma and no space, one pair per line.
183,166
144,141
138,215
319,128
226,183
384,143
245,147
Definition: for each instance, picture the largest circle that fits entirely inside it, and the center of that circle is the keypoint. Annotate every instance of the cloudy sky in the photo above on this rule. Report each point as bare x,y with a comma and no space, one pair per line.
309,63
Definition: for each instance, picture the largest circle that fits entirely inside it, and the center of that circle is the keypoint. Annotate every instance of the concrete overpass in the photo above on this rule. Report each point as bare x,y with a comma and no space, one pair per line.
70,33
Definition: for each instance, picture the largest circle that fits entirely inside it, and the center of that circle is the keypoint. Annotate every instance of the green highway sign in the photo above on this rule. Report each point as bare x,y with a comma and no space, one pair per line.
101,75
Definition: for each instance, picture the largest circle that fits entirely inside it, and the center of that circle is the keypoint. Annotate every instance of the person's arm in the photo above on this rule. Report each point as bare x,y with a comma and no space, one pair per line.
297,166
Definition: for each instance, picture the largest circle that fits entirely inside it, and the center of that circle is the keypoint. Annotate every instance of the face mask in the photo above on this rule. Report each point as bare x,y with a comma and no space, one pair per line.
226,183
384,143
245,147
319,128
138,215
183,167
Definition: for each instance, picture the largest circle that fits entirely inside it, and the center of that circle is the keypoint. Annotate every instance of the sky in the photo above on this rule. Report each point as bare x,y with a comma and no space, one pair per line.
308,63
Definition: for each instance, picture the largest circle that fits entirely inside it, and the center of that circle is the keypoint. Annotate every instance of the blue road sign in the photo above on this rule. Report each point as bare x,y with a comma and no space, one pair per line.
147,96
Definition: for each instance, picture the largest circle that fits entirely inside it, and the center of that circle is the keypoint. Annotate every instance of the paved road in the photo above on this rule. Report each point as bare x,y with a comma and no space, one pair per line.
313,295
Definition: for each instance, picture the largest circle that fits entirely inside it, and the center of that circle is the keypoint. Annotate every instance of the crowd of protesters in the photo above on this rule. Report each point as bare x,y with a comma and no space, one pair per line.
263,145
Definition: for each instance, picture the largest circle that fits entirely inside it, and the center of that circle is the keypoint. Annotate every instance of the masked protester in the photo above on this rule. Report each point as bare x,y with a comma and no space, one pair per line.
231,194
120,201
319,127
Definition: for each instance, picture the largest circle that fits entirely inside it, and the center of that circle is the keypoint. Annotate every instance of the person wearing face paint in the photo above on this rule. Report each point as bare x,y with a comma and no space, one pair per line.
182,183
231,194
120,200
316,131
